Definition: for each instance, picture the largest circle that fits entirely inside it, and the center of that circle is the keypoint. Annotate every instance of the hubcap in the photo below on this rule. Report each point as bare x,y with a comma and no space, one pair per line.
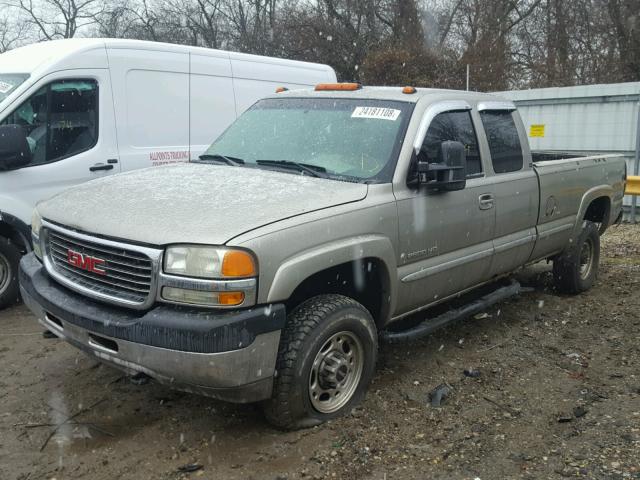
336,372
4,273
586,259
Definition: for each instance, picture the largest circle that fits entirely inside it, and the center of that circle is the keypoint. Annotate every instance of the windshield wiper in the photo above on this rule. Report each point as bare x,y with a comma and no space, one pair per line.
313,170
236,162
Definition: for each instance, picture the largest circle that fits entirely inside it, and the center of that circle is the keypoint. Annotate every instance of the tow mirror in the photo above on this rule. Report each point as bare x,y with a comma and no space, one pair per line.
449,172
14,148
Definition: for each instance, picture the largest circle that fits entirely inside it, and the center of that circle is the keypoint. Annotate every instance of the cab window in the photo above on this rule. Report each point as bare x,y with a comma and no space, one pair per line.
503,139
60,120
453,126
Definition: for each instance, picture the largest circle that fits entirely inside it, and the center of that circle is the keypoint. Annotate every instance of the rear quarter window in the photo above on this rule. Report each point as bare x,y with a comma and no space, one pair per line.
503,139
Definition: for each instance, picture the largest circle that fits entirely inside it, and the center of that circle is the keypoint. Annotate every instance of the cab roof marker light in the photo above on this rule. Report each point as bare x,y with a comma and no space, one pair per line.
337,87
281,89
409,90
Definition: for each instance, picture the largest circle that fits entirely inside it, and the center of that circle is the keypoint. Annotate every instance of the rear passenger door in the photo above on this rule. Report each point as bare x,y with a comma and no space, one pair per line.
445,238
514,187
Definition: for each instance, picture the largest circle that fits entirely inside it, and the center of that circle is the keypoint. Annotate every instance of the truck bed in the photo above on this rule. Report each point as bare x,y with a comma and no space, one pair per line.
569,185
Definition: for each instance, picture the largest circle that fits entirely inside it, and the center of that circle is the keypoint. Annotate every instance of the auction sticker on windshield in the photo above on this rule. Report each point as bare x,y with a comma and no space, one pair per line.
5,87
376,112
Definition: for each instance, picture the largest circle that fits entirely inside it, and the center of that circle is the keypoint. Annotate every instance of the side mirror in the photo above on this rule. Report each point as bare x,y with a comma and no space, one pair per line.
450,171
14,148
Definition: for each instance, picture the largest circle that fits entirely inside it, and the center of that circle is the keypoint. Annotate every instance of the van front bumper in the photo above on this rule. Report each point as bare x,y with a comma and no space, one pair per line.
229,355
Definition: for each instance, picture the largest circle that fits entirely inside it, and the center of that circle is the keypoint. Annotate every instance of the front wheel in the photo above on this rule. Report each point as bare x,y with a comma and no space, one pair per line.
576,270
9,260
326,360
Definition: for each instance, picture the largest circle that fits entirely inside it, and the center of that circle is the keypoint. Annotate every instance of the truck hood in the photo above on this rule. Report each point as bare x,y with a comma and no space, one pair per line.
194,203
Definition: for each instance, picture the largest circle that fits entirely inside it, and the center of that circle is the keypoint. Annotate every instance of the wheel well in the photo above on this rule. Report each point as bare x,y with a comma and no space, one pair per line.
9,232
598,211
365,280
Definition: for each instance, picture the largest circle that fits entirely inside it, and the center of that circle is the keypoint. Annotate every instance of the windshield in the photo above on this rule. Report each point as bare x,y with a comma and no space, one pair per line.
352,139
9,82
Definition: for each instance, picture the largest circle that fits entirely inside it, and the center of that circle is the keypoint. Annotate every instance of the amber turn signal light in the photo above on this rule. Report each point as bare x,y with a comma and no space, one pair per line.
337,86
230,298
237,263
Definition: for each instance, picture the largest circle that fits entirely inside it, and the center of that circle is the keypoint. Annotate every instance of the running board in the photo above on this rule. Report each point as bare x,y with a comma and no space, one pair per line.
431,324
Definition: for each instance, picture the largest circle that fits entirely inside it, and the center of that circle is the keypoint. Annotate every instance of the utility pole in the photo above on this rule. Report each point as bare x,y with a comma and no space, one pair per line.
636,168
467,77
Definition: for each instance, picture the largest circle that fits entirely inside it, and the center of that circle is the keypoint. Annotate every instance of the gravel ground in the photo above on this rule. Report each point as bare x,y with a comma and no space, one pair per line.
558,395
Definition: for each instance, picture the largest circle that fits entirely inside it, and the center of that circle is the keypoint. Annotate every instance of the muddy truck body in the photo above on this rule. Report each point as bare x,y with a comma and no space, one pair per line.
268,270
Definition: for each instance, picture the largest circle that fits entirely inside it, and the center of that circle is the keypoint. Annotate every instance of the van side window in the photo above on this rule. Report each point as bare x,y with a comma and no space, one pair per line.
504,142
60,119
453,126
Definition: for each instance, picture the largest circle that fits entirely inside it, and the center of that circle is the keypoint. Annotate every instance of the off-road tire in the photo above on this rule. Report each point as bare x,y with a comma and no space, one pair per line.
10,258
569,272
309,327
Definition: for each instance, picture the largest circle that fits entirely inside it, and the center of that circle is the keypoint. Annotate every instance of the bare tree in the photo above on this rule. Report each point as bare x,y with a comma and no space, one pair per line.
507,43
625,17
12,33
54,19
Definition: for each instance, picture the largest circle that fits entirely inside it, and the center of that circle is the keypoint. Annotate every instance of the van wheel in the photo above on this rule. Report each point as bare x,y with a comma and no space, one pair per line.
9,260
326,360
576,270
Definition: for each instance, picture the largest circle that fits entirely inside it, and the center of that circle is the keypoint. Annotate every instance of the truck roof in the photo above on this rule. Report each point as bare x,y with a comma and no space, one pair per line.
390,93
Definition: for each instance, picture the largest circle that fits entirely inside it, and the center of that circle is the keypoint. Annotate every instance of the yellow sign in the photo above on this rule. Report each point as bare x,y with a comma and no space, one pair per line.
536,131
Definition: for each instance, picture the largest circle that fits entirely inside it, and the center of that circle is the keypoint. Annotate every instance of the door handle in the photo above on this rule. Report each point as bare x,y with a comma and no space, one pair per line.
485,201
100,166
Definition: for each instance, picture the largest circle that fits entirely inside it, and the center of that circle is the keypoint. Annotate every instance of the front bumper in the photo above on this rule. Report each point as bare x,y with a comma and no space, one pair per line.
228,355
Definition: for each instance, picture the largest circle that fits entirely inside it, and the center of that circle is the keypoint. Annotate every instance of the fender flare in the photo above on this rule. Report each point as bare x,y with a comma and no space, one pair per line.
588,197
22,230
302,265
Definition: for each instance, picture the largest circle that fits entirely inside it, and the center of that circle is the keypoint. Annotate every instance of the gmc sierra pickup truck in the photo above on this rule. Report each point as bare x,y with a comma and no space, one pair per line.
267,270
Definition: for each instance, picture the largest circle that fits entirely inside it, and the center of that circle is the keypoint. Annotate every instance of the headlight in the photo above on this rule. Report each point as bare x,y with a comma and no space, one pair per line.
36,226
209,276
209,262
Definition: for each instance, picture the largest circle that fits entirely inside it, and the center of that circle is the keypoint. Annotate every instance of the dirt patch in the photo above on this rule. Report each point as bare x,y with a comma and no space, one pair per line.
558,395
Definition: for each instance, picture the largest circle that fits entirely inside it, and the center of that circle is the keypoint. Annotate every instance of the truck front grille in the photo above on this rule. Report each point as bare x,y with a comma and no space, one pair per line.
102,269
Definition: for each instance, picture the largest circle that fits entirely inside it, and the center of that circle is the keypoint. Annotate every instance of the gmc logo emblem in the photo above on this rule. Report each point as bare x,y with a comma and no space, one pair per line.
85,262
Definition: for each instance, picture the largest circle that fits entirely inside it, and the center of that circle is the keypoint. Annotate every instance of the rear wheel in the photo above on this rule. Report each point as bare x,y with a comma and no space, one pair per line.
576,270
9,260
326,360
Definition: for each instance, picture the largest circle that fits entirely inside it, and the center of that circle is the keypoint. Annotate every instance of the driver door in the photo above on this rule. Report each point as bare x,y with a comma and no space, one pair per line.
445,237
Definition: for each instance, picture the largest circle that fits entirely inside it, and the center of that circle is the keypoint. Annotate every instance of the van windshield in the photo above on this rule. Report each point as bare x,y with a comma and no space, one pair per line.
9,82
345,139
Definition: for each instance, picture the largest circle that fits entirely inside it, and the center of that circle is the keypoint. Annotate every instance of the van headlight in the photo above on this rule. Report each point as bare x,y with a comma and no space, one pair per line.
36,227
209,276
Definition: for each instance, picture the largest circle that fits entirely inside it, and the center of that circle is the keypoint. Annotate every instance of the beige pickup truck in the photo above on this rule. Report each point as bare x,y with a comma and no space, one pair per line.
268,269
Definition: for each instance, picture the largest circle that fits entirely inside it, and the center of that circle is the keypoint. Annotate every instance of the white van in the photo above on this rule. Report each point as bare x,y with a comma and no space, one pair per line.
96,107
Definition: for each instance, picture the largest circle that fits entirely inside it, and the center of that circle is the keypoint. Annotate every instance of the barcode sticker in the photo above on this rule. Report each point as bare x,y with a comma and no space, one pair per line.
376,112
5,87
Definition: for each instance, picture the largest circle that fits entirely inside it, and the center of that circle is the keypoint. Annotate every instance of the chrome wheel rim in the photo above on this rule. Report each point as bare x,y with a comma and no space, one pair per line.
336,372
586,259
5,273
